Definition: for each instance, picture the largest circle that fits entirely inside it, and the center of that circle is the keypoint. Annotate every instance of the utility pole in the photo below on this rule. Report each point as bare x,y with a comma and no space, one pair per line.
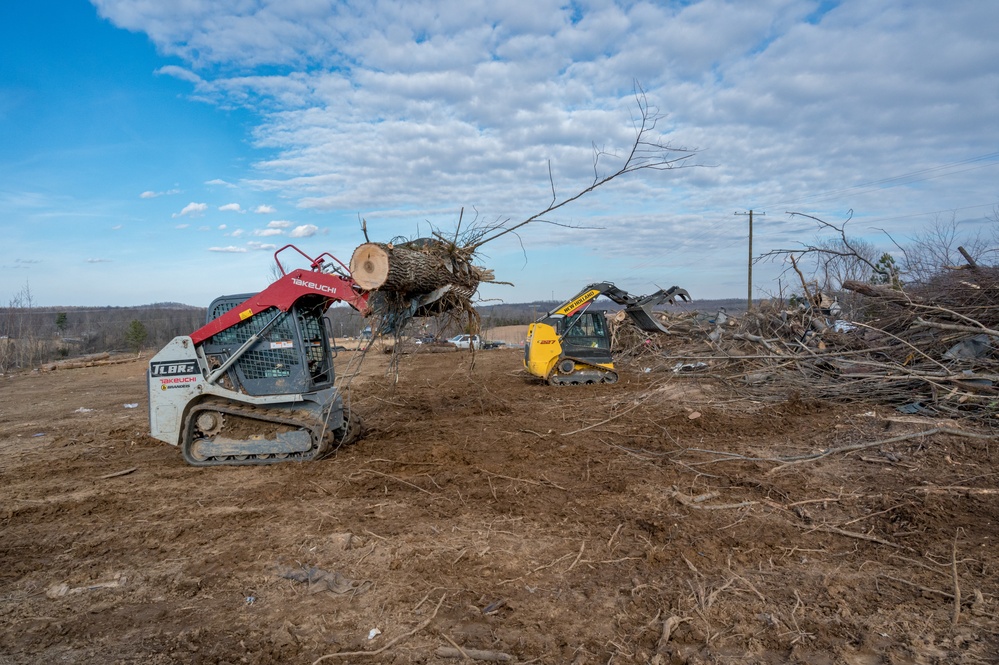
749,282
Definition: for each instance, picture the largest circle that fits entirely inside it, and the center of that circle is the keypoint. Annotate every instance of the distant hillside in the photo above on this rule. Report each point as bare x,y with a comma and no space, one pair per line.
516,313
168,305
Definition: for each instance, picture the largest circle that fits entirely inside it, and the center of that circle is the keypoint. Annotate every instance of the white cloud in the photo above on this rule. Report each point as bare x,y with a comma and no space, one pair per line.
387,110
303,231
192,210
218,182
149,194
223,227
231,207
179,73
182,226
268,232
98,260
279,224
231,249
260,246
117,227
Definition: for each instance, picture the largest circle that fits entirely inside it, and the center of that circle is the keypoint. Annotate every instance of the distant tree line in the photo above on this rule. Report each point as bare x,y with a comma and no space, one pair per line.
31,336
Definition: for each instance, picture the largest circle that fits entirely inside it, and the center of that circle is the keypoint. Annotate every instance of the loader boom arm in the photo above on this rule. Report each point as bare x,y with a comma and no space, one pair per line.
639,308
285,291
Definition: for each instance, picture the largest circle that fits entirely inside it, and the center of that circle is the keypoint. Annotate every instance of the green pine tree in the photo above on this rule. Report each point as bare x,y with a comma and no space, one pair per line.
888,272
136,335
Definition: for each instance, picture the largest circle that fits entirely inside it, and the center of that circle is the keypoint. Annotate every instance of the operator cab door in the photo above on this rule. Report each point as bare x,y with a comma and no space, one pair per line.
585,336
292,355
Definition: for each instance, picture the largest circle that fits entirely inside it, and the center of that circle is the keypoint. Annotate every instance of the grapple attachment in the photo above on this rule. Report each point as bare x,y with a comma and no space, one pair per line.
640,310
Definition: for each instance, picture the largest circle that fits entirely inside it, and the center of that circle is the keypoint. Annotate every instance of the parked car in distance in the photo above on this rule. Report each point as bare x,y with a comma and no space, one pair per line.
466,341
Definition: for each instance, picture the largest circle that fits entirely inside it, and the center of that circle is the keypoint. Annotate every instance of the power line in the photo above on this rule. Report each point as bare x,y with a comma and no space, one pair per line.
933,212
903,179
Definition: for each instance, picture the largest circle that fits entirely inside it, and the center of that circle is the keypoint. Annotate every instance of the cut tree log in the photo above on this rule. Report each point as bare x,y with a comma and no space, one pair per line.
424,270
91,360
385,267
369,265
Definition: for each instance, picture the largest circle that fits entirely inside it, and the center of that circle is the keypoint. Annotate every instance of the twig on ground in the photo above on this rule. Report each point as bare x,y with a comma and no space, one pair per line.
808,501
631,408
955,489
523,480
695,501
614,535
957,583
848,534
669,625
531,572
119,473
924,589
578,557
800,459
880,512
461,652
749,584
398,480
473,654
553,484
388,645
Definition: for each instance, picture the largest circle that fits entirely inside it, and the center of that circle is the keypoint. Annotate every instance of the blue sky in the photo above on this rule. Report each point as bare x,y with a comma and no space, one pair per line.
161,151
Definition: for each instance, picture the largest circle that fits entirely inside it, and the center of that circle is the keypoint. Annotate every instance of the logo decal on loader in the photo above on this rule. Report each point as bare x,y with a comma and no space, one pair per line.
570,307
173,368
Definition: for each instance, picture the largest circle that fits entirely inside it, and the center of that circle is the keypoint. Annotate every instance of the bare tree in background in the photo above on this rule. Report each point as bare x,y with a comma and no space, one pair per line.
824,266
936,248
842,260
19,344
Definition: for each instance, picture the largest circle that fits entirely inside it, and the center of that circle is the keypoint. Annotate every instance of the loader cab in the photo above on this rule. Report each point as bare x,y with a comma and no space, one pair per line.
291,355
584,330
584,335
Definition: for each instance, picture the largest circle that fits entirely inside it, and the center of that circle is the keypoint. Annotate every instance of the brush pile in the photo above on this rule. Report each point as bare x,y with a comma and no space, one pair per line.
929,350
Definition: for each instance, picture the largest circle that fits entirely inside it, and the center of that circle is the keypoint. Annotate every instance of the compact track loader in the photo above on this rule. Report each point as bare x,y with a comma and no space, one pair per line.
571,344
255,384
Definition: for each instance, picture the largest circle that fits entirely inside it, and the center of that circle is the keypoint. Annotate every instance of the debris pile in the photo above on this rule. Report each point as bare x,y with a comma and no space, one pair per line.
932,349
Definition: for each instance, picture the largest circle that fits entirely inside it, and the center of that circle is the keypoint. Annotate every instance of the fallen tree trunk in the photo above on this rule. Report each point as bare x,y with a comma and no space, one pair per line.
91,360
383,266
427,274
402,269
881,293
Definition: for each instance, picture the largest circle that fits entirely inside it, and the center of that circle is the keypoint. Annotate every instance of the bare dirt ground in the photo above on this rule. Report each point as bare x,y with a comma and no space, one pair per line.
655,521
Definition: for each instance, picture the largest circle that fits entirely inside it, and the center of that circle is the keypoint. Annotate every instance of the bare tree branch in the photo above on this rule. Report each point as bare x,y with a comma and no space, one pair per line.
649,151
849,249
